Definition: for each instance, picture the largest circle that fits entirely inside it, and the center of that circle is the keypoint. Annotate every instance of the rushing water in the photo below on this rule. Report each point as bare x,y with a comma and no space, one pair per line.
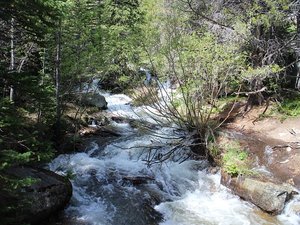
171,193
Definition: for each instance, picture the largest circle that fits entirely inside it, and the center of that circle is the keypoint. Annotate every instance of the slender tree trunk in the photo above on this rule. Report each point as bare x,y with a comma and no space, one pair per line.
25,58
12,58
58,78
297,83
39,111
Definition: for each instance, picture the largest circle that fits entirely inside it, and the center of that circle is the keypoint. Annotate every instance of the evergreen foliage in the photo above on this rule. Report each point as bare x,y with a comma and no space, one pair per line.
26,102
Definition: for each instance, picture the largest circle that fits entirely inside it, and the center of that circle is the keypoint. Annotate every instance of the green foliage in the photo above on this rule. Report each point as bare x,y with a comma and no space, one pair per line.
207,65
98,39
11,157
121,37
13,184
235,160
20,141
34,93
124,79
261,72
8,114
213,149
290,107
268,12
195,58
33,17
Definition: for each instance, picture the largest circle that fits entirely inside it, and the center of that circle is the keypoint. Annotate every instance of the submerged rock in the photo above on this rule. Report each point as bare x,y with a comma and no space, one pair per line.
138,179
35,203
266,195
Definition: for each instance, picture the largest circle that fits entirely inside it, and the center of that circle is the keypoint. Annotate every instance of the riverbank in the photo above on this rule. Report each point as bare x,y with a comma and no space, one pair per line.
274,141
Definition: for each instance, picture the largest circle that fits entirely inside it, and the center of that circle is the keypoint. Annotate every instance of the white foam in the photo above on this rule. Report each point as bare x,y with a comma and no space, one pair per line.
197,198
89,209
289,216
211,203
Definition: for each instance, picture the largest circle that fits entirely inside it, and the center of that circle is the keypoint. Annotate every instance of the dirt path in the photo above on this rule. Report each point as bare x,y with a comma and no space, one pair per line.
287,130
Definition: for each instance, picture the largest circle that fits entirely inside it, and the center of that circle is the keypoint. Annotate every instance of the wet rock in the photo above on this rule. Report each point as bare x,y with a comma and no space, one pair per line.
35,203
266,195
138,179
99,131
120,119
142,124
94,99
97,121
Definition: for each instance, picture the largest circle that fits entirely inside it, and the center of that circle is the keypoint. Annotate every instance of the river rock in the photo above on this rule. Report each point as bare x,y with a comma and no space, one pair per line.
94,99
267,195
35,203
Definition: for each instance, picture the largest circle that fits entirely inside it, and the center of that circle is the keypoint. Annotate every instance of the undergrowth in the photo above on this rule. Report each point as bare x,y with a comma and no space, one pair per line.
236,160
290,107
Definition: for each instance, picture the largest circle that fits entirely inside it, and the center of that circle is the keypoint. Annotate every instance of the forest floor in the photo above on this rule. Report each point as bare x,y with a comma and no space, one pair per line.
274,141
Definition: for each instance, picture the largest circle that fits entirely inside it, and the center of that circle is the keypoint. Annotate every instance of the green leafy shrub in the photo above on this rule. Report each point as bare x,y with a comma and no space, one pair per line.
235,160
290,107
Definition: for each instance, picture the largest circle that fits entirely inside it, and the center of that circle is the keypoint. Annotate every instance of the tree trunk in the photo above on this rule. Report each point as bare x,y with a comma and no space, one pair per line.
23,60
297,83
39,111
58,77
12,58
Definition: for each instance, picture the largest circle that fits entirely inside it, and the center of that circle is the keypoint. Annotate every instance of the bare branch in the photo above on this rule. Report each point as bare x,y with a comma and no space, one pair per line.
252,92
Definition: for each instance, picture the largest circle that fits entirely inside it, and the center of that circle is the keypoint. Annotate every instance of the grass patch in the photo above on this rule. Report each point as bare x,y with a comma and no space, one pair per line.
236,160
290,107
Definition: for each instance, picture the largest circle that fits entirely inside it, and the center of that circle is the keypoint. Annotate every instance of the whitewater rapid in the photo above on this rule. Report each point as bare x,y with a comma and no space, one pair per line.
174,194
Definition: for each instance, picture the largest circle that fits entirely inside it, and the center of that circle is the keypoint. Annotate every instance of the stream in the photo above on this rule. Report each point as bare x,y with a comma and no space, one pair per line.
114,185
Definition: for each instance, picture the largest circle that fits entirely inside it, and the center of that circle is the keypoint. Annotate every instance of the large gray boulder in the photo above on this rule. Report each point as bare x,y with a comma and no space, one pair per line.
266,195
94,99
35,203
